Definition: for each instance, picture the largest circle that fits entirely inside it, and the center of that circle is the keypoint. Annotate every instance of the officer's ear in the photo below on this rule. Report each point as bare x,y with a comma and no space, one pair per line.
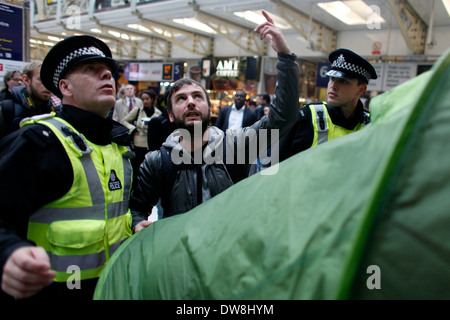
65,88
362,88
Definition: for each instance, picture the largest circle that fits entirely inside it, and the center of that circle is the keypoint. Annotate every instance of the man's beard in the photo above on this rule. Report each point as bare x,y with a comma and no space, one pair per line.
190,127
38,98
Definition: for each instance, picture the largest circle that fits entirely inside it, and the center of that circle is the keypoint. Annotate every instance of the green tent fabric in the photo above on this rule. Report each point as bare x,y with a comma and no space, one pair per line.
365,216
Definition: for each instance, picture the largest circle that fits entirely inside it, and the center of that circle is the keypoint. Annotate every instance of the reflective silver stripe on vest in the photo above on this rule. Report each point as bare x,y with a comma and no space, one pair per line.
95,186
97,210
127,173
48,215
117,209
321,122
84,262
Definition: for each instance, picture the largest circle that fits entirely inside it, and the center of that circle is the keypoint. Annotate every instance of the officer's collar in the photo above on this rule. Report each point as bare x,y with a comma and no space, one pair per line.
350,123
95,128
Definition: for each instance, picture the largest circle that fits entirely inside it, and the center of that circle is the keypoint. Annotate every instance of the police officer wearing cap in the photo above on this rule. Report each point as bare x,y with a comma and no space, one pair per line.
66,180
343,113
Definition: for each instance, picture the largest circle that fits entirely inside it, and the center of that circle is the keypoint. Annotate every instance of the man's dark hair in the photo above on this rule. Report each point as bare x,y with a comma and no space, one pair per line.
266,97
361,81
178,85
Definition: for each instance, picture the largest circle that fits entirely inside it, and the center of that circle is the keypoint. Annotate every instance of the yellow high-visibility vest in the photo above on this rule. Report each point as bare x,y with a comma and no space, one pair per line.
85,226
324,128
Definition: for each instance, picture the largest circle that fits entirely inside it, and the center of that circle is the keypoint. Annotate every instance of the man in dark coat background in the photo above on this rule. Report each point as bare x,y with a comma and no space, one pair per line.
236,115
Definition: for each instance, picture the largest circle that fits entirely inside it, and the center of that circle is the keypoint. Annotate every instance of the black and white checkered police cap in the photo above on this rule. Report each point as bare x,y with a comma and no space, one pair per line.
348,65
68,53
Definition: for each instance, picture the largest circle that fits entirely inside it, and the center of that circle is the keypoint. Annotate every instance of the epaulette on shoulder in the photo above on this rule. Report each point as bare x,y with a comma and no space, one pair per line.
36,118
317,102
306,107
39,135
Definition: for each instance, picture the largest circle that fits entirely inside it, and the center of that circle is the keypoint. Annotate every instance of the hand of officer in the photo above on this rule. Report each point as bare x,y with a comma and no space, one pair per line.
141,225
268,30
26,272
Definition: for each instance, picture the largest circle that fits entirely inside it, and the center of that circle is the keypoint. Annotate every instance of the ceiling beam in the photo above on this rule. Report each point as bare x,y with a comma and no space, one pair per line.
190,41
320,37
413,28
158,46
122,47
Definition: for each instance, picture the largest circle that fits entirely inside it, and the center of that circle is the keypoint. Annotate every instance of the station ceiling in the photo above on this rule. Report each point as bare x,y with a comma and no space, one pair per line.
157,28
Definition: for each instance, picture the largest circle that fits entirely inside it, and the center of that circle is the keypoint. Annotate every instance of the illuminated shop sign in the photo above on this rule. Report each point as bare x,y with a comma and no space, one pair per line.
167,71
228,68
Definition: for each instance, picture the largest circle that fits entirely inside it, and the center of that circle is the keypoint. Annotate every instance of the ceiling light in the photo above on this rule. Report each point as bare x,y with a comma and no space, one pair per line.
114,33
351,12
54,38
138,27
257,18
194,23
447,5
153,30
158,30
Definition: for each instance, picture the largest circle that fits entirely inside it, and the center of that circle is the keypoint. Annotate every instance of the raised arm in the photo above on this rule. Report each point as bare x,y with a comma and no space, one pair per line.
284,107
269,31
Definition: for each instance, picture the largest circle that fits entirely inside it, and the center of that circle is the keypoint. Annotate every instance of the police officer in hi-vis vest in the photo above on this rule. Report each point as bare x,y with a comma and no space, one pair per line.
65,181
343,114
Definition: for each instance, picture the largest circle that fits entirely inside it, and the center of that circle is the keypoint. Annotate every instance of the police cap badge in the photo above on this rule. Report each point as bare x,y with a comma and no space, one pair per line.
348,65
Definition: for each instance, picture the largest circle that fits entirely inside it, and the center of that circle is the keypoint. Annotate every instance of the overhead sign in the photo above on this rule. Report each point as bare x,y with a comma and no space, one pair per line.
397,73
157,71
177,71
167,72
322,78
150,71
377,84
11,32
206,68
132,71
228,68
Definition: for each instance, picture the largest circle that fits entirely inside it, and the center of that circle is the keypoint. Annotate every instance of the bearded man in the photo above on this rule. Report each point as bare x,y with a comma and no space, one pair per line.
199,161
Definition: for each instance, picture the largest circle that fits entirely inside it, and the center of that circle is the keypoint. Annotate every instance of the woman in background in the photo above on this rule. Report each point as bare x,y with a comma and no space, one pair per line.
137,123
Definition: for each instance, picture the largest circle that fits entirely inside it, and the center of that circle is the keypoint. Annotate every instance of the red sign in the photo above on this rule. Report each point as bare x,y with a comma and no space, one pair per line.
376,47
